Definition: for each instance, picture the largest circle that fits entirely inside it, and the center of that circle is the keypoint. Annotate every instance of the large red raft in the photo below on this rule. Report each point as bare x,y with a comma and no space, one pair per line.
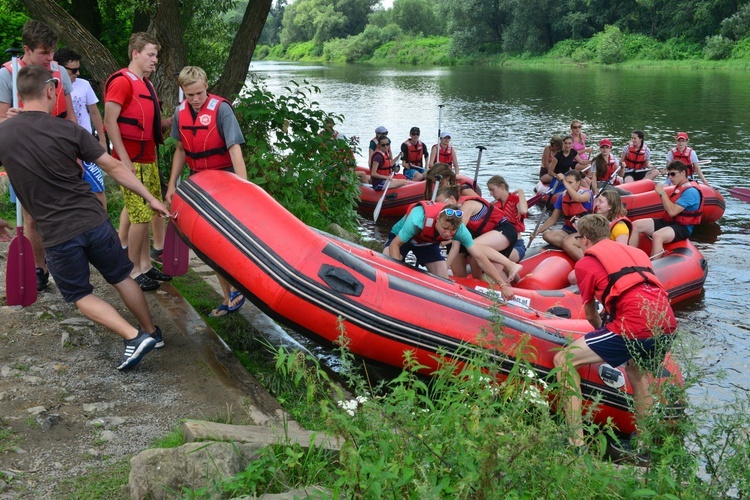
543,283
312,281
642,202
397,200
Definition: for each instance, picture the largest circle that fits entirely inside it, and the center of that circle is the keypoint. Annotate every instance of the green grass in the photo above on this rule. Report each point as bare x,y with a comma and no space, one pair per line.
105,482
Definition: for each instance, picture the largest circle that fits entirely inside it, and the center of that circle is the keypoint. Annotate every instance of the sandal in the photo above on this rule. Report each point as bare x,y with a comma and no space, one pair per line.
232,297
220,311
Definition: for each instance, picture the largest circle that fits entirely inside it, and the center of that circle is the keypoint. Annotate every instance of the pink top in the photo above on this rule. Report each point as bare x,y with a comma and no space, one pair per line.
580,146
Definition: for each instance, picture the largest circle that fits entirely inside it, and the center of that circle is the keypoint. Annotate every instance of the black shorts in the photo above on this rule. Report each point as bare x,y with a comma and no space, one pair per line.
637,175
69,261
680,232
617,350
508,230
425,254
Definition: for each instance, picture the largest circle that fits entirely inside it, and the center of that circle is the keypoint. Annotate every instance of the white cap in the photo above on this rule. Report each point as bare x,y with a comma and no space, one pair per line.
443,135
381,130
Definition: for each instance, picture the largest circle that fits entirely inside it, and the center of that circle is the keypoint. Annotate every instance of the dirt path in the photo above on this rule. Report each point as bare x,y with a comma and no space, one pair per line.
65,410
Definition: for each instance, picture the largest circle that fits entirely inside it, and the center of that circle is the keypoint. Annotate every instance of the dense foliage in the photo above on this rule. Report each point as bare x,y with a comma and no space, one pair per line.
480,28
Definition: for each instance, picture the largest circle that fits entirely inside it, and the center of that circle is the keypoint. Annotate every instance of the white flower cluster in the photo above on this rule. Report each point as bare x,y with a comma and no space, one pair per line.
350,406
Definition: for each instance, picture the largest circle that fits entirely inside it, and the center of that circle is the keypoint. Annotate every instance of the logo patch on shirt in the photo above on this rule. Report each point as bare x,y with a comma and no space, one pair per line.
205,119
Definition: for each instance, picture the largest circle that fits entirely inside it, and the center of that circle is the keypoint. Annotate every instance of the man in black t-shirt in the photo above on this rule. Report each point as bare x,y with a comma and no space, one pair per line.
40,155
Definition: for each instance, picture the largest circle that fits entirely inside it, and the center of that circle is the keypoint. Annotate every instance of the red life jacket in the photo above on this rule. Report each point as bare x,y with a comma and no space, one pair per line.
445,155
626,266
686,218
385,167
618,220
204,147
510,209
416,153
572,208
612,167
61,108
141,120
636,159
684,157
492,216
429,232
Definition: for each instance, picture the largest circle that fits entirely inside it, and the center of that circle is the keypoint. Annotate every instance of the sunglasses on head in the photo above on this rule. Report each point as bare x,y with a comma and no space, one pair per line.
450,212
53,81
75,71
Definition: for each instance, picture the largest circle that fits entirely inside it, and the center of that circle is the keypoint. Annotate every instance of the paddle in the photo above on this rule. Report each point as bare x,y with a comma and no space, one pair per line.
440,118
379,206
176,256
479,159
20,276
742,194
541,217
438,178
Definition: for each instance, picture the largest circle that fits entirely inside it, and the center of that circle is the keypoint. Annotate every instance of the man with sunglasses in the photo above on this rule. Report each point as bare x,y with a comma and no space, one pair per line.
683,209
86,112
425,227
414,155
40,155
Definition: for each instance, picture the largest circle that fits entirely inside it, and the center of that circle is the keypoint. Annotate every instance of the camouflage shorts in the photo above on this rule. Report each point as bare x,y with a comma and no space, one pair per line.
139,212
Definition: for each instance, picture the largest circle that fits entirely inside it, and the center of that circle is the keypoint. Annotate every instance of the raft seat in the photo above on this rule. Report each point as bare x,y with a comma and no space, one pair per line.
550,274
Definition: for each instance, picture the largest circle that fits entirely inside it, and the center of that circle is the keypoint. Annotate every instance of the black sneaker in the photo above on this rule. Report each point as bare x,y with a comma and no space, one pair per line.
157,275
156,255
42,278
135,349
146,283
156,335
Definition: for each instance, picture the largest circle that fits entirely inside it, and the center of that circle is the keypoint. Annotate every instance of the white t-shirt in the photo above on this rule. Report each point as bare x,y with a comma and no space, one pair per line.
83,96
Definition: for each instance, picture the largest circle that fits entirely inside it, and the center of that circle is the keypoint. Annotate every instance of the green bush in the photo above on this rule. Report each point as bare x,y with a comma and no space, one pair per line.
741,49
642,47
294,158
717,48
609,45
11,24
583,54
303,50
565,48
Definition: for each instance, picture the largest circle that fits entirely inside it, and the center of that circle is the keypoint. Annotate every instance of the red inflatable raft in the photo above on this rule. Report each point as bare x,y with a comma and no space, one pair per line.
642,202
397,200
314,282
543,283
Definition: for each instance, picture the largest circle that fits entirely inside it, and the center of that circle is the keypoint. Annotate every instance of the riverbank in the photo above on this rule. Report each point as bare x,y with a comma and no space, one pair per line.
67,414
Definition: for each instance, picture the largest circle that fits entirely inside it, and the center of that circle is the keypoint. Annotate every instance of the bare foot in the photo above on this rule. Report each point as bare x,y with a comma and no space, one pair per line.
513,272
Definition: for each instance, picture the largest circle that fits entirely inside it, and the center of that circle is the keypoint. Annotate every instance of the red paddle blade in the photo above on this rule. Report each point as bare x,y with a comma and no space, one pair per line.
20,276
741,193
175,256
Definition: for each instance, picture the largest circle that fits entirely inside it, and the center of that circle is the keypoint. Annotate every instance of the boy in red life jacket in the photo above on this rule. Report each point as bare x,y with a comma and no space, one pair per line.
574,203
39,42
639,320
684,153
683,210
426,226
132,117
208,138
414,155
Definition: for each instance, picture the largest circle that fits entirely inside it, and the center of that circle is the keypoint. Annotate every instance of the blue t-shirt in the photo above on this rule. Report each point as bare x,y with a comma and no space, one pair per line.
412,224
691,200
588,205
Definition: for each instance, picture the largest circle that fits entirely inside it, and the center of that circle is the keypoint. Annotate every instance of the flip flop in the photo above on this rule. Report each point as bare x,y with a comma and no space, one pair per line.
232,297
220,311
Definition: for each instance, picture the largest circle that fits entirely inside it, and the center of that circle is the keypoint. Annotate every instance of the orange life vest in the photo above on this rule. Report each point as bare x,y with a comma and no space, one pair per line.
141,119
61,108
684,157
416,153
385,167
636,158
204,147
445,155
686,218
429,232
571,209
626,266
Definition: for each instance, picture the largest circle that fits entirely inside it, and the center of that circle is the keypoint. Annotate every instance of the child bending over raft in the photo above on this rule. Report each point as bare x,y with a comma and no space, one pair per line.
421,231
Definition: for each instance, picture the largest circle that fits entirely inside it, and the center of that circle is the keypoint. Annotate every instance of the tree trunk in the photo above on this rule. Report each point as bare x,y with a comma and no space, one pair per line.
88,14
235,70
99,61
166,27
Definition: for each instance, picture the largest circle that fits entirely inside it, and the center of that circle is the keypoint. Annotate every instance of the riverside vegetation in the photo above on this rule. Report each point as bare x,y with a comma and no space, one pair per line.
454,435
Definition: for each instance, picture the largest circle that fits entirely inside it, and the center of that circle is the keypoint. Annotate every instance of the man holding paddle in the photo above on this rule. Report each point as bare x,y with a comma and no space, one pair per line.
40,154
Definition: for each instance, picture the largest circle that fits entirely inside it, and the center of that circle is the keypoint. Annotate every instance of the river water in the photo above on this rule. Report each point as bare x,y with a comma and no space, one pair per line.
513,112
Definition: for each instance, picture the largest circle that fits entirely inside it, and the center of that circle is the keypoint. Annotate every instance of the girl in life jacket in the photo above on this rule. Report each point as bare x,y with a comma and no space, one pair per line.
636,159
514,207
684,153
382,167
573,204
444,153
606,168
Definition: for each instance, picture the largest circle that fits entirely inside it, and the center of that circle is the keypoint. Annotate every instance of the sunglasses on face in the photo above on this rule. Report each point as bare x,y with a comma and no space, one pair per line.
450,212
576,126
672,174
384,144
579,237
75,71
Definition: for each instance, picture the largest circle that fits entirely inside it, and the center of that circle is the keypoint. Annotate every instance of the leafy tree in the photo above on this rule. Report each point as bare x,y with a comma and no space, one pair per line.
323,20
416,17
272,28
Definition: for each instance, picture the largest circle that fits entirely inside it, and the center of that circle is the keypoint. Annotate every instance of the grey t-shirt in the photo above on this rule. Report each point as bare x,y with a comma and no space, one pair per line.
6,83
229,128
